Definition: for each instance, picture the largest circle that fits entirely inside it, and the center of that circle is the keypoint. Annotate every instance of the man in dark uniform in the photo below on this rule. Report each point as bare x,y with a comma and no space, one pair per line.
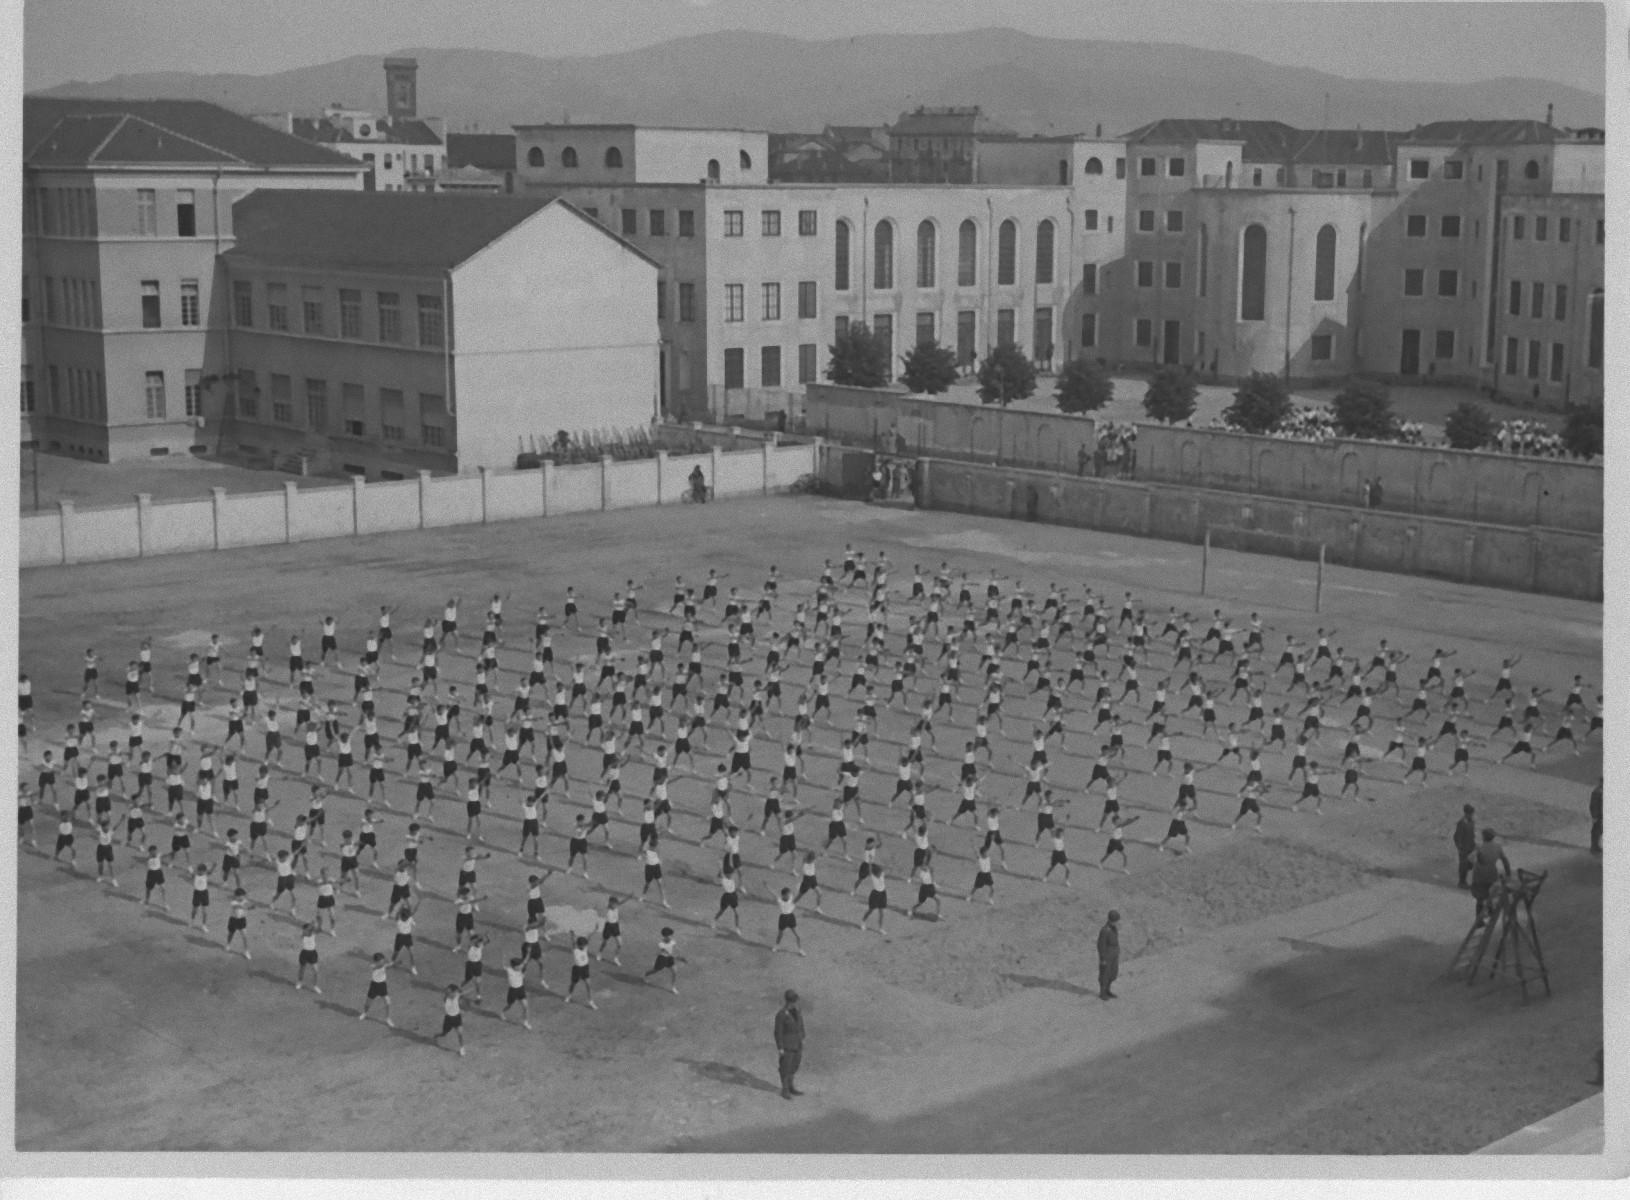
1465,844
1109,954
789,1043
1596,818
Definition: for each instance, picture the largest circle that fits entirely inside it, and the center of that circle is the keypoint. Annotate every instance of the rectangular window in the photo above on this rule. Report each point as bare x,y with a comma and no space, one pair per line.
1146,166
925,327
1042,328
1143,332
806,222
1561,302
1415,226
631,222
243,303
659,222
1564,229
353,412
1145,273
662,300
1558,359
1542,228
53,393
769,366
735,370
392,414
1419,168
1175,167
770,222
311,310
1536,307
189,302
1089,329
50,288
1449,226
1120,168
277,307
27,396
154,392
186,214
1512,349
687,302
390,318
1514,307
1443,345
1454,168
350,313
1146,220
1089,278
1535,351
1004,327
317,404
1174,274
806,300
735,302
1319,347
1092,220
193,393
883,331
1174,220
146,212
840,327
772,302
1414,281
687,223
807,362
151,318
1519,227
732,222
1448,283
430,321
432,419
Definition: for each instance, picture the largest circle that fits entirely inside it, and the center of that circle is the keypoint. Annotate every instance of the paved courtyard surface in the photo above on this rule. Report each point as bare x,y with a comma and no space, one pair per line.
1280,992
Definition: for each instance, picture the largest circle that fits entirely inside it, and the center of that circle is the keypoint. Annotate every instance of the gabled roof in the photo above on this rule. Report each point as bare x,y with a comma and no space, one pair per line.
408,132
1348,147
406,232
1265,141
940,122
489,151
1485,133
63,130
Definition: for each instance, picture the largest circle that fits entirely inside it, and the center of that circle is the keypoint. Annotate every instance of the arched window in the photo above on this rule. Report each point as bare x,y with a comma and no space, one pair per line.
1044,252
713,170
568,157
840,273
1007,252
534,157
614,157
927,248
1531,169
967,254
1324,264
746,161
883,256
1595,359
1253,274
1094,167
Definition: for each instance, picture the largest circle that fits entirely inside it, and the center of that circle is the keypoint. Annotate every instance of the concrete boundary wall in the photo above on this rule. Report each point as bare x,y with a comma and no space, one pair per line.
1551,561
1462,485
225,521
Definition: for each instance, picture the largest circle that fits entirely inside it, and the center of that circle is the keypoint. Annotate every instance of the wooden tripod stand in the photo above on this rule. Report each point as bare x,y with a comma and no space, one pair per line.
1509,919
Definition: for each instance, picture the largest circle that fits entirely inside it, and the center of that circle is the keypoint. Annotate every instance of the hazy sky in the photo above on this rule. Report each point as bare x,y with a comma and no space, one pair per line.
1449,40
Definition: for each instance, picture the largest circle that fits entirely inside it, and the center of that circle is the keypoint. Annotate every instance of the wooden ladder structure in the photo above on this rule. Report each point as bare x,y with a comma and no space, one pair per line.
1508,925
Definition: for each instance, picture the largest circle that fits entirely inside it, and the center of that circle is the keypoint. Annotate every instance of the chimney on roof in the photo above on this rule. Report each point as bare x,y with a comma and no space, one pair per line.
402,88
1549,109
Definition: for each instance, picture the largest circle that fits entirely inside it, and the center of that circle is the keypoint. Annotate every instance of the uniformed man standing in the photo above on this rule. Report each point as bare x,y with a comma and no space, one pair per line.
789,1043
1109,954
1465,844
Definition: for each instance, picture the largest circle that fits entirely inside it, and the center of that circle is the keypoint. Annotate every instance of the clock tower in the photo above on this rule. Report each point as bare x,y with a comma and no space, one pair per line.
401,88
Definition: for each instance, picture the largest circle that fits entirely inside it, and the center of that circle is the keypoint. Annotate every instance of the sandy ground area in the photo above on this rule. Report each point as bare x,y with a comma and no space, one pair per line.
1280,991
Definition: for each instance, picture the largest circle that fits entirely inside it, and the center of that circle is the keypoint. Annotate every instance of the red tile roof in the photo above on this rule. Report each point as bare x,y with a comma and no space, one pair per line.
64,130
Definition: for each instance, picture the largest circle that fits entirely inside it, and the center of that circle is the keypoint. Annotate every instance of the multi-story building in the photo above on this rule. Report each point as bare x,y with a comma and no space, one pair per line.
565,155
401,150
126,204
491,153
383,334
939,145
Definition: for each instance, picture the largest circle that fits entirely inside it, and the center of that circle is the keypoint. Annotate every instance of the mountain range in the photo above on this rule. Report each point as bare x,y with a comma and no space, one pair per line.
766,81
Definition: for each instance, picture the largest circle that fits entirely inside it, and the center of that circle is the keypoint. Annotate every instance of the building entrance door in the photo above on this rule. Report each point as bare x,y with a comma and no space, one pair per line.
1409,361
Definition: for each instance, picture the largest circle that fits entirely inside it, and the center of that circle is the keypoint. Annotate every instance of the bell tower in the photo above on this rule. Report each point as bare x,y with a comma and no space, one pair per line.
402,88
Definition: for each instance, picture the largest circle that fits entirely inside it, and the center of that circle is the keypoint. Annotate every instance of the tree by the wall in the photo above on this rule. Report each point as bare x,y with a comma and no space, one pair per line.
859,359
1171,395
1582,431
1261,404
1469,426
1083,386
1363,409
930,368
1005,376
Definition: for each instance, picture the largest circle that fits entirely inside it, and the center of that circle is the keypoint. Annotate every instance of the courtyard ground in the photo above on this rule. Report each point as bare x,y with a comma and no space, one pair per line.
1281,992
